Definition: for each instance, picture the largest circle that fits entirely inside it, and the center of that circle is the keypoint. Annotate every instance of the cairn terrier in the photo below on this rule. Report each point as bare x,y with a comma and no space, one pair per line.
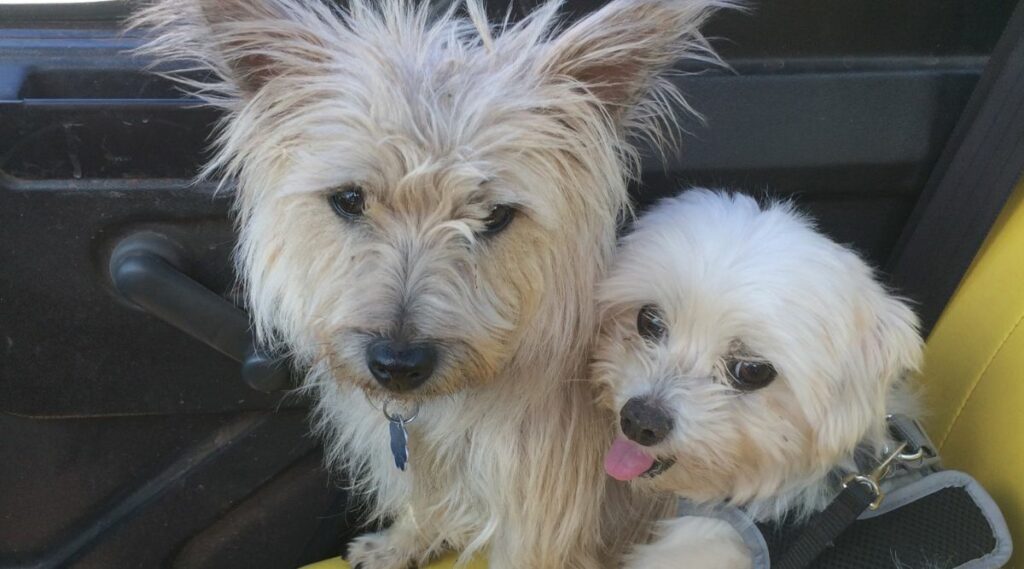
751,360
425,203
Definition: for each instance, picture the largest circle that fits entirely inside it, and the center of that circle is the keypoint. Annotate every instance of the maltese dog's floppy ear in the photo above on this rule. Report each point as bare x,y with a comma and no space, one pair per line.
617,52
886,348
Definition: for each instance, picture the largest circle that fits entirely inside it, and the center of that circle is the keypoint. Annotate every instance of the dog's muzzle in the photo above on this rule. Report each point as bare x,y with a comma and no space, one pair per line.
400,366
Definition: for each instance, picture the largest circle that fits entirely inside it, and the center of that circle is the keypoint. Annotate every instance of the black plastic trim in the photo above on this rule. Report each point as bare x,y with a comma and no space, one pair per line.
977,172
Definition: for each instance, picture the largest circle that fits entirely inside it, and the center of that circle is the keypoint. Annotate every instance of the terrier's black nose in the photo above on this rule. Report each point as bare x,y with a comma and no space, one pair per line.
399,366
643,422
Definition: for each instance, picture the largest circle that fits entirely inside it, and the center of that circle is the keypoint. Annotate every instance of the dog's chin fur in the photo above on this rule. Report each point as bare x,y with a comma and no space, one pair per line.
734,278
438,116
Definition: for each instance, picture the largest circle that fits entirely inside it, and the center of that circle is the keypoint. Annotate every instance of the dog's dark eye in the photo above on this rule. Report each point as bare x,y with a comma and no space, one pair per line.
650,324
750,376
498,219
348,202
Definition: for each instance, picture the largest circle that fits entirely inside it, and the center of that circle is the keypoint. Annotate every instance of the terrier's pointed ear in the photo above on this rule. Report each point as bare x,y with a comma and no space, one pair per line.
257,40
617,52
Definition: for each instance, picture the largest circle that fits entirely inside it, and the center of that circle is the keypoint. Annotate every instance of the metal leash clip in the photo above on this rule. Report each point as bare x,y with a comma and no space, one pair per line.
873,479
908,434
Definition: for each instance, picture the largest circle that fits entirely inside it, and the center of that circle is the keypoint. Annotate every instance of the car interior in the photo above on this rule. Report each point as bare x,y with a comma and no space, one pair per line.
140,426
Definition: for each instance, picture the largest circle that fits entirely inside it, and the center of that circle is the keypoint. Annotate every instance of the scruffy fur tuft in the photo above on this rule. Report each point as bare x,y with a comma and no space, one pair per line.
436,117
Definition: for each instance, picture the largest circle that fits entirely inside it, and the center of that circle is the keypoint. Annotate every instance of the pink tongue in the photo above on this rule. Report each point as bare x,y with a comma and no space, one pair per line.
627,460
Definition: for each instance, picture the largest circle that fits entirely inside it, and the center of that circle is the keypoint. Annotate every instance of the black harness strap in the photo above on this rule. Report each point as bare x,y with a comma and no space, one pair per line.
823,528
797,546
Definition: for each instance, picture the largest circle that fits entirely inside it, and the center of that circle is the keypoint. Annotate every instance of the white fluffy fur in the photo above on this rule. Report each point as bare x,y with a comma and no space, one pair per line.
734,278
438,116
692,542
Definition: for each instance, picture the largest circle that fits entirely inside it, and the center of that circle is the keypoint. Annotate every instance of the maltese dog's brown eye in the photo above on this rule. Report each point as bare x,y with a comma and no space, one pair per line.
650,324
749,376
348,202
499,218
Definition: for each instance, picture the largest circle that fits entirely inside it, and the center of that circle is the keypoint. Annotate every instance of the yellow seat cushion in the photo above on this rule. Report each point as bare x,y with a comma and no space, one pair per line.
446,562
974,369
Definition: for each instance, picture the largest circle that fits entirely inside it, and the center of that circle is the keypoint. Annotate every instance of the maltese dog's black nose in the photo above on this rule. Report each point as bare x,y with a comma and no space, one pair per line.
398,366
643,422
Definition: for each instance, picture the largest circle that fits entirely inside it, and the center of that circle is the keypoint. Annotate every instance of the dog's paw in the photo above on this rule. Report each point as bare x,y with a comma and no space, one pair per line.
375,551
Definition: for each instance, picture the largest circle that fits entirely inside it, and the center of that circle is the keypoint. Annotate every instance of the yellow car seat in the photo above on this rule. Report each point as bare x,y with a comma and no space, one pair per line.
973,377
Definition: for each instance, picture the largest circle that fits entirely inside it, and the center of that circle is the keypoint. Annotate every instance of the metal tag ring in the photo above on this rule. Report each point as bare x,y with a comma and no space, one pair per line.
912,457
399,418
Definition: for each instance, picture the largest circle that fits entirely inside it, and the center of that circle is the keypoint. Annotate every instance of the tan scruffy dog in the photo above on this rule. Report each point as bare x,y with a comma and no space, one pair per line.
425,203
750,358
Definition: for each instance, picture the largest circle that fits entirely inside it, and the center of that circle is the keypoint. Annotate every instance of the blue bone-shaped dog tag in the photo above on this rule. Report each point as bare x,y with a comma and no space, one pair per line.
399,441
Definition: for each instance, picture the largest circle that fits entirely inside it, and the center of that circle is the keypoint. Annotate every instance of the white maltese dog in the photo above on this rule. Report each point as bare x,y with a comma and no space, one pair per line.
750,358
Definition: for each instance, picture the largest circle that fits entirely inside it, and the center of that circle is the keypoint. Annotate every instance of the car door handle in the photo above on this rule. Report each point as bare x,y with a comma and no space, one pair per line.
145,270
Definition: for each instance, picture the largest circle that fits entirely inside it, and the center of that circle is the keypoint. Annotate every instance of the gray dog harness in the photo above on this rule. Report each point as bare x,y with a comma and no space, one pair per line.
905,513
